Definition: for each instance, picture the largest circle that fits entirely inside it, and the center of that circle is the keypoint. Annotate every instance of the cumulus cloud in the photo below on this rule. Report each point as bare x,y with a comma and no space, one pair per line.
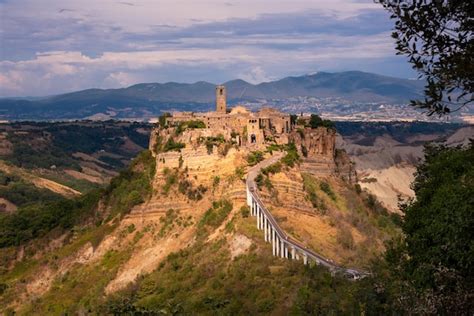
255,75
54,46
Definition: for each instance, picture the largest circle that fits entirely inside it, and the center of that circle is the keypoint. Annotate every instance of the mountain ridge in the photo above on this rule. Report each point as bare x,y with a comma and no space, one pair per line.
145,99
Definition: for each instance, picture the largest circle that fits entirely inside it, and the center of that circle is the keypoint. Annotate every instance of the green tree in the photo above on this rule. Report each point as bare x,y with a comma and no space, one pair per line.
316,121
435,259
437,38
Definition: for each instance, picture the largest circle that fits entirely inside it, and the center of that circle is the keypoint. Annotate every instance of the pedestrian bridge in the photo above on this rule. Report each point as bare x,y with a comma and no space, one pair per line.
283,245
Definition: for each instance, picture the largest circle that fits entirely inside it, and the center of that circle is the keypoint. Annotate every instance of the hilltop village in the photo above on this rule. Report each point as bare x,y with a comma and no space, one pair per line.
182,135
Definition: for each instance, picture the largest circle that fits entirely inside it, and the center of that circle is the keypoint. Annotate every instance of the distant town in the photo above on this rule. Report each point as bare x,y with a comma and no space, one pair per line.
340,109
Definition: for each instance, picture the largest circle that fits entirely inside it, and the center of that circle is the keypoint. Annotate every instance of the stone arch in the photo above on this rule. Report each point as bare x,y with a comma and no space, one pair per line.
253,138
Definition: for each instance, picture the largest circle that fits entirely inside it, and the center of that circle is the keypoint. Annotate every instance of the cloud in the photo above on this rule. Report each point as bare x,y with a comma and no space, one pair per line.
255,75
121,79
49,47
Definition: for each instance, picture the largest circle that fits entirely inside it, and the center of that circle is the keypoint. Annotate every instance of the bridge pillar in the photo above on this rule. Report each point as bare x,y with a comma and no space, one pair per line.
305,259
273,241
258,216
286,251
282,250
265,228
297,256
249,197
293,252
269,231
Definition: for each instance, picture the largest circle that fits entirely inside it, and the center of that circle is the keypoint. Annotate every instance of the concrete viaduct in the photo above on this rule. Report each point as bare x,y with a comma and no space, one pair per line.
283,245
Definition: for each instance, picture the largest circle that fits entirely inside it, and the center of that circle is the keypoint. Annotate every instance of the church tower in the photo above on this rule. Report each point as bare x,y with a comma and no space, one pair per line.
221,106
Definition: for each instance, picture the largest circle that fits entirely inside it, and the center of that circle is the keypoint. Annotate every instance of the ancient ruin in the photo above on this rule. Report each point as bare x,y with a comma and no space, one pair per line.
248,128
200,139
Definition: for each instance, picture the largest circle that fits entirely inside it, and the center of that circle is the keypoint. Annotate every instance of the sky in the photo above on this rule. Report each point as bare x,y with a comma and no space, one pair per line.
55,46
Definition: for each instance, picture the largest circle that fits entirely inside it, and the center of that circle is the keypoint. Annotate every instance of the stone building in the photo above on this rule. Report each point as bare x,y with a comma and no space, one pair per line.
252,128
221,106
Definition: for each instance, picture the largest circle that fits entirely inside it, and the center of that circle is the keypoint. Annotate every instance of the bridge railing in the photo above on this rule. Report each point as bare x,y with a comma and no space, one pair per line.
253,196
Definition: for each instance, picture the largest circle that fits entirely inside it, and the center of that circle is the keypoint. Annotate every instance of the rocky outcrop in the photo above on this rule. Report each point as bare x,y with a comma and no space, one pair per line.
317,148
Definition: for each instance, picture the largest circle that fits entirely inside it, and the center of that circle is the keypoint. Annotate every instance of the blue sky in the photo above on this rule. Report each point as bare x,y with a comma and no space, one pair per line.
54,46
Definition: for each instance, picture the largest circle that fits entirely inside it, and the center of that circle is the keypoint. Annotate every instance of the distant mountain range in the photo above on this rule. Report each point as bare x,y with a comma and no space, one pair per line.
150,99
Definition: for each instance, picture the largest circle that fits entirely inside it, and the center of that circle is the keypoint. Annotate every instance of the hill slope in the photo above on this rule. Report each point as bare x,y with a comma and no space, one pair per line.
180,240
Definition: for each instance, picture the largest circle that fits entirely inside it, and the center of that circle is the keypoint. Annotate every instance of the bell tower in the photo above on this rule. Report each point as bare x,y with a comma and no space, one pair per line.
221,105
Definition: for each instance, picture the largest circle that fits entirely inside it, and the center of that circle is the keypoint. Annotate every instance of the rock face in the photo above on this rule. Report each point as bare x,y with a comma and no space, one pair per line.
204,154
317,147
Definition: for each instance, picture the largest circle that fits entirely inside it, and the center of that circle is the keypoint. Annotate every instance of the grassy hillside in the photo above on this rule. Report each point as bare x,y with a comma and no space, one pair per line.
216,261
169,241
80,155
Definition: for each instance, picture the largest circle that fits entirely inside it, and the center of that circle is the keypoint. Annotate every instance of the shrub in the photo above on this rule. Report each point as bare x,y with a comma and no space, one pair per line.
214,216
291,157
326,188
259,180
254,157
245,211
167,221
171,145
171,177
240,172
273,147
272,169
310,186
316,121
192,124
216,181
162,119
214,141
358,188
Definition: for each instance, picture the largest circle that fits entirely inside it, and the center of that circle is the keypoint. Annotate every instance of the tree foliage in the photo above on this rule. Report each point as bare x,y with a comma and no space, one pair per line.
316,121
436,258
437,38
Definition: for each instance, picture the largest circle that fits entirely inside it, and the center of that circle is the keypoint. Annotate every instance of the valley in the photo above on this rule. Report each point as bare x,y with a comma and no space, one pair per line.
143,241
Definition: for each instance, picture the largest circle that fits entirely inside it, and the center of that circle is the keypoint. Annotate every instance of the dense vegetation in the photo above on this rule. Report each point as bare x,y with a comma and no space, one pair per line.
315,121
254,157
214,216
291,158
133,186
22,193
37,217
400,131
193,124
46,145
433,266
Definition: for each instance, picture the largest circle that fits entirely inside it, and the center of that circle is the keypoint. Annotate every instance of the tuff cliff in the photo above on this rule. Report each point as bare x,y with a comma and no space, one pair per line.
319,155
